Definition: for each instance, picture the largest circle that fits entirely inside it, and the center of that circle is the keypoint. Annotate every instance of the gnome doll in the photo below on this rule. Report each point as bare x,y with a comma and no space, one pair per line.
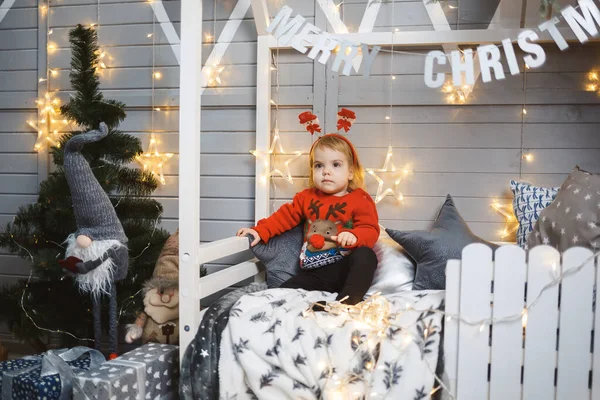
96,253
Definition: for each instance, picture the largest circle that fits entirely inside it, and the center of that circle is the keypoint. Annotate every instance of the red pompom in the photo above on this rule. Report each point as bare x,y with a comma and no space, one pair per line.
112,356
317,241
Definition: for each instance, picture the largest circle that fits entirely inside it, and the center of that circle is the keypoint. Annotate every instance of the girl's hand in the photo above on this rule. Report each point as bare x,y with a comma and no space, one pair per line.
252,232
345,239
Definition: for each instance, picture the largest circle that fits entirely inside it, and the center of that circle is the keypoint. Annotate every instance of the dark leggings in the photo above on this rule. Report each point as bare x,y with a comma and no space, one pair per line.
352,276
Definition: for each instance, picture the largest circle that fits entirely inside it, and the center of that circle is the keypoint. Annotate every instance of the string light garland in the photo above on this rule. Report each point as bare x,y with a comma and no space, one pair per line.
374,313
388,165
212,73
276,148
49,123
153,161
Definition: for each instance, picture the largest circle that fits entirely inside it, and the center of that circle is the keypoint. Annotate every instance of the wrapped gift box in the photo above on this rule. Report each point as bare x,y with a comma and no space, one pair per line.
148,372
46,376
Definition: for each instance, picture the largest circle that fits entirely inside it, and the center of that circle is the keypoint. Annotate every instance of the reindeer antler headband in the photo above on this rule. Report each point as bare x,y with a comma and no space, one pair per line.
346,118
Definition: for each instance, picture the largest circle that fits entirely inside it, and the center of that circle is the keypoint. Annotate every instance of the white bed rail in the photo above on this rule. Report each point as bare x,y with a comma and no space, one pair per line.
216,281
545,353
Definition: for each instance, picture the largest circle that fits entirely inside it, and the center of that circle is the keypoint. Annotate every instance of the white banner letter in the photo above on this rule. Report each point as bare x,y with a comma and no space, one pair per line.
532,48
440,77
467,67
346,54
286,29
558,38
574,19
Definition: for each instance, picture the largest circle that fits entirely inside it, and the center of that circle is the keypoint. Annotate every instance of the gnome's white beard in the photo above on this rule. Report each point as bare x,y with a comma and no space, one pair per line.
99,280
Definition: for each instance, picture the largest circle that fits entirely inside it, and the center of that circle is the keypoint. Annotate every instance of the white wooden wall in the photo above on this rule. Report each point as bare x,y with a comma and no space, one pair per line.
469,151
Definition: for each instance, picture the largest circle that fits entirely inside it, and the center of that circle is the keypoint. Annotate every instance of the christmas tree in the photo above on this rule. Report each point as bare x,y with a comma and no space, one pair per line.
38,230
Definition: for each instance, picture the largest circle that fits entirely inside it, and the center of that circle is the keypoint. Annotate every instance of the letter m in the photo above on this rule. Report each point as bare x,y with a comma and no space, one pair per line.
576,21
285,30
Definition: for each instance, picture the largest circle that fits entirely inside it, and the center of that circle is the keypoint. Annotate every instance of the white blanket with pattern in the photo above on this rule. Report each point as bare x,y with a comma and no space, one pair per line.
269,350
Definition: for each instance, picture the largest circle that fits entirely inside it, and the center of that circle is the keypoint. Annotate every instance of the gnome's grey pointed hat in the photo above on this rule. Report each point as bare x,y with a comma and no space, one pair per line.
94,213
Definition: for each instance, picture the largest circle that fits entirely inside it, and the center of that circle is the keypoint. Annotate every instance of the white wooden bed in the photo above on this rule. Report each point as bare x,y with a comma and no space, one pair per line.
519,365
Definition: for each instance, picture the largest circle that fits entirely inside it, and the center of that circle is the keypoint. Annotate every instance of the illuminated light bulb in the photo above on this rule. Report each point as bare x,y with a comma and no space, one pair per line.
273,68
527,66
387,117
273,102
524,111
591,88
369,365
393,77
524,319
42,80
482,327
397,30
51,47
157,75
452,7
157,109
593,75
50,32
208,37
150,35
528,157
53,72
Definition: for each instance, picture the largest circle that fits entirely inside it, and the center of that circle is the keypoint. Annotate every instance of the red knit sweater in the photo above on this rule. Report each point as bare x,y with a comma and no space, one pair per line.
325,215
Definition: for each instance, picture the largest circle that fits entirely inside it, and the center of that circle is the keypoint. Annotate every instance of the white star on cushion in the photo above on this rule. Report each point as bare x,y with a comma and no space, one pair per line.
575,239
204,353
388,167
576,191
546,240
594,245
265,155
592,225
587,197
553,224
579,216
567,210
562,231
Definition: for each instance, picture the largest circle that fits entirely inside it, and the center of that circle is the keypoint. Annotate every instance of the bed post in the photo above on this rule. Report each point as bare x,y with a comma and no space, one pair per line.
263,127
190,80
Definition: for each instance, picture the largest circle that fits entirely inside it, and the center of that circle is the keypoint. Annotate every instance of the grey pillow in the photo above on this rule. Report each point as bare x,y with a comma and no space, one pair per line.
432,249
281,256
573,218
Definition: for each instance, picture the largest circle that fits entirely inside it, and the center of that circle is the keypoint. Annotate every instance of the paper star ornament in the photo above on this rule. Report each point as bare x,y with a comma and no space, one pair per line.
153,161
388,167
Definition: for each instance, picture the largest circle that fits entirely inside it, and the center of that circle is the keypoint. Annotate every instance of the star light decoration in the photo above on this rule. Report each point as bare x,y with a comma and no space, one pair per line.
454,95
212,74
511,224
265,157
154,161
388,167
594,82
48,123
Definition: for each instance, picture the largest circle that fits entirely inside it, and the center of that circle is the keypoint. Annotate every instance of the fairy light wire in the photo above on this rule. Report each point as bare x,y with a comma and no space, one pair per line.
340,308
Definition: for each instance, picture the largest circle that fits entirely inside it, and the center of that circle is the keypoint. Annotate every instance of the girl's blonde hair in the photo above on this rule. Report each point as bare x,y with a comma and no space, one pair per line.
337,143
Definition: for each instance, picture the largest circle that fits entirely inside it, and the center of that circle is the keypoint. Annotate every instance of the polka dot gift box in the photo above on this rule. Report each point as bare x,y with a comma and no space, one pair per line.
148,372
47,376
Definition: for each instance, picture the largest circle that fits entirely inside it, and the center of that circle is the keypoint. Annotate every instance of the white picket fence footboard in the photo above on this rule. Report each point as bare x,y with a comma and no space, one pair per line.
514,342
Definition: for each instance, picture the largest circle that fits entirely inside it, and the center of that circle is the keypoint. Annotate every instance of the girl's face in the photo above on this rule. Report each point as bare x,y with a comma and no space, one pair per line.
331,171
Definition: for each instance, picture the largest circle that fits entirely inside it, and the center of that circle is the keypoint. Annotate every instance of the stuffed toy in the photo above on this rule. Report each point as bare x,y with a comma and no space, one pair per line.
97,254
159,323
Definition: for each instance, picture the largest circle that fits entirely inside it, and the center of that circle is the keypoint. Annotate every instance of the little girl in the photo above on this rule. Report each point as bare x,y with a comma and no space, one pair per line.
340,223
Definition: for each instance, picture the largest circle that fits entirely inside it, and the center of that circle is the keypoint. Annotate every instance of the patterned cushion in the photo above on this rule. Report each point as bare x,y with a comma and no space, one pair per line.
528,202
573,219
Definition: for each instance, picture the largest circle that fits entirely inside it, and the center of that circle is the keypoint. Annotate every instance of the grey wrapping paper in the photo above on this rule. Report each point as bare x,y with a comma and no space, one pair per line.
148,372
